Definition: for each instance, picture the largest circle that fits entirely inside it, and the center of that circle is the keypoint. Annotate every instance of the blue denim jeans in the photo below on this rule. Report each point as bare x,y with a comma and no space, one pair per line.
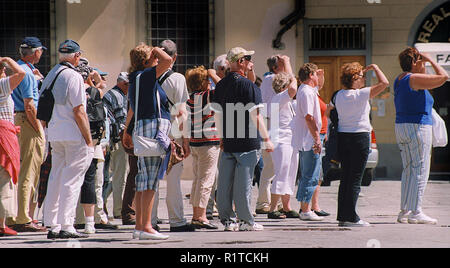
236,172
310,167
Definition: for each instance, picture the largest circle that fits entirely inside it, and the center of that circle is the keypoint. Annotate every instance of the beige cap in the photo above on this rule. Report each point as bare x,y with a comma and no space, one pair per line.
238,52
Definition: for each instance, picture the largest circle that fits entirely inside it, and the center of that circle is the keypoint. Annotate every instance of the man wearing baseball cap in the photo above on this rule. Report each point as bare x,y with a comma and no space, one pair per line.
31,137
239,98
71,142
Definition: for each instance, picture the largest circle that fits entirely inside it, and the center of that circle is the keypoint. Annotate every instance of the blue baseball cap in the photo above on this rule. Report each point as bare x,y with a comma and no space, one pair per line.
101,73
69,46
32,42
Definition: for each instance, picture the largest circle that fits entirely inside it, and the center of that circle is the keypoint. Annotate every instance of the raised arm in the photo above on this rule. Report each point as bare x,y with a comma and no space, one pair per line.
19,73
382,84
164,61
419,81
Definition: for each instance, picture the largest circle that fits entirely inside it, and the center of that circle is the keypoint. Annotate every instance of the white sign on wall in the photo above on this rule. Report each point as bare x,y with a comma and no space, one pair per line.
440,52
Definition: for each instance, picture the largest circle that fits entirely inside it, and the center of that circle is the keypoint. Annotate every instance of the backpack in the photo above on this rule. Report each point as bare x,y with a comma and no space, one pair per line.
114,127
47,101
96,113
331,146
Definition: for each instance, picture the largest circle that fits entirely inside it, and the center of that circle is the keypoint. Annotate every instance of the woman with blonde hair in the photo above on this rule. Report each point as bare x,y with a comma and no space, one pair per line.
284,157
413,128
204,142
147,65
353,107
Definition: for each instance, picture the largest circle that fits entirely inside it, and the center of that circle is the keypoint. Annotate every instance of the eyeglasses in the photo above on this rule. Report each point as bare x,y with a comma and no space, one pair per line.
247,58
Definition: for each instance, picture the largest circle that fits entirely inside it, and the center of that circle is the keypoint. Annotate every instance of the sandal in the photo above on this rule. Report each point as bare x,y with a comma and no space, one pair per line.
276,215
292,214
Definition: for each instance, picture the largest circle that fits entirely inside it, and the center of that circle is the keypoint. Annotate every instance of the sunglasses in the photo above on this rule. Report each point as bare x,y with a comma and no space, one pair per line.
247,58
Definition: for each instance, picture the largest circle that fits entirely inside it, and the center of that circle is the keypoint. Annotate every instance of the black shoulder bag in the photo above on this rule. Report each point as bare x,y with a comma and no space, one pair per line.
47,102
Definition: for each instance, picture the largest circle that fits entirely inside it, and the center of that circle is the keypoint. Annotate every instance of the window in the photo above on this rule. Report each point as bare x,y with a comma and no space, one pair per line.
21,18
189,24
337,36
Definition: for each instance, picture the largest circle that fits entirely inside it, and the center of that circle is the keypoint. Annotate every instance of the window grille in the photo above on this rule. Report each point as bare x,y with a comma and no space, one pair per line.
190,24
21,18
337,37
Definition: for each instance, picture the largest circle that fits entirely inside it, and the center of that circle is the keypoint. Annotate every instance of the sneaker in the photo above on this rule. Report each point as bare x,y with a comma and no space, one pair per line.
360,223
421,218
231,226
89,229
310,216
150,236
247,227
403,216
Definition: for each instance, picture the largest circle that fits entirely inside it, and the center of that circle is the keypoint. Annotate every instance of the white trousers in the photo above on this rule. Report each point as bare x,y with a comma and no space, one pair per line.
415,143
174,198
285,163
70,161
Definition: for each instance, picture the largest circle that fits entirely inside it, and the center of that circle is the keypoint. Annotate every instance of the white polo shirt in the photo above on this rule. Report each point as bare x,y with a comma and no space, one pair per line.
307,104
62,126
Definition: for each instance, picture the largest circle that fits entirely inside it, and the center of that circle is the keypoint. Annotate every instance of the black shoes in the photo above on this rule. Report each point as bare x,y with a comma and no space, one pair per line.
68,235
203,225
106,226
52,235
184,228
65,235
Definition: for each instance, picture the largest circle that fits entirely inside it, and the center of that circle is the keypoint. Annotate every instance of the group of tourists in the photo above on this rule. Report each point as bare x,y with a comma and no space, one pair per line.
67,155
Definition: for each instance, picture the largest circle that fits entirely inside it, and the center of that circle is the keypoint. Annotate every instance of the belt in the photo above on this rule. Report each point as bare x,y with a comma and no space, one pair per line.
19,112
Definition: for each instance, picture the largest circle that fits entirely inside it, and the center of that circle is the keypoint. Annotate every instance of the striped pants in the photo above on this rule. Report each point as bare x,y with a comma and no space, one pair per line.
415,142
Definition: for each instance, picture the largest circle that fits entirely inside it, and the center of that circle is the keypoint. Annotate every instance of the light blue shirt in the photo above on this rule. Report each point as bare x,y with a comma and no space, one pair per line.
27,89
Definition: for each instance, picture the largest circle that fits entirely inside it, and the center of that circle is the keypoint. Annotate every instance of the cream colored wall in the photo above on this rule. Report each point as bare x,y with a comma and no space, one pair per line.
253,25
106,30
391,24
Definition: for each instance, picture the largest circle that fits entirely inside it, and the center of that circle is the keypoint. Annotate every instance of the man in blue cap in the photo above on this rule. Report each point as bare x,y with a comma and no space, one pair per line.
31,137
71,142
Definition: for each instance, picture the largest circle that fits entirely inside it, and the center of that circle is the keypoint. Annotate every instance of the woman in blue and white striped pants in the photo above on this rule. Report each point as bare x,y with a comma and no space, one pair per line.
414,130
415,142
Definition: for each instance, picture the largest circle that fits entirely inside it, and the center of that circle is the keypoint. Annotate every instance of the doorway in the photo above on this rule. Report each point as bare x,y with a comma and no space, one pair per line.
441,156
332,67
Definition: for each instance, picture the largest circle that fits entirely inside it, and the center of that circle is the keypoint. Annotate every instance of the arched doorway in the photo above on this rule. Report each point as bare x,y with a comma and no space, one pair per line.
431,30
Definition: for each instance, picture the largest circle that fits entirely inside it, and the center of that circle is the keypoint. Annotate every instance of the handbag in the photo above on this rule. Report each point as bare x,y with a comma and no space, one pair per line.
148,147
440,138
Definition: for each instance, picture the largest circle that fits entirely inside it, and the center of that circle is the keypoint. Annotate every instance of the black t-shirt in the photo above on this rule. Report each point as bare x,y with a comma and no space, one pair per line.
237,97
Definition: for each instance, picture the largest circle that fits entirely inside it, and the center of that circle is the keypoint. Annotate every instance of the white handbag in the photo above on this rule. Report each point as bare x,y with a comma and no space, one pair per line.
144,146
440,138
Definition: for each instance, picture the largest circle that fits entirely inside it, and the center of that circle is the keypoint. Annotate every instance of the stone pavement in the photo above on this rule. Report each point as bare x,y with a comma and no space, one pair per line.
379,205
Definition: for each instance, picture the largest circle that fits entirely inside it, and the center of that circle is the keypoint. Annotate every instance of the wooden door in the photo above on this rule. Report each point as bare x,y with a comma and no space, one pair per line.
332,67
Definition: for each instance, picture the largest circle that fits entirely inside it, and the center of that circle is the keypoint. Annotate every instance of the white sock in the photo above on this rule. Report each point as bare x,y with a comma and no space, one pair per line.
68,228
89,219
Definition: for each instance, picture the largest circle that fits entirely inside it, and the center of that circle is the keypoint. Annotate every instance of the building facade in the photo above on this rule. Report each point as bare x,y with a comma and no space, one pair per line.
327,32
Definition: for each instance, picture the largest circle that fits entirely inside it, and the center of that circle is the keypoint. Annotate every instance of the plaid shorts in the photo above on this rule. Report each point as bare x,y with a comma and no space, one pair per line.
148,167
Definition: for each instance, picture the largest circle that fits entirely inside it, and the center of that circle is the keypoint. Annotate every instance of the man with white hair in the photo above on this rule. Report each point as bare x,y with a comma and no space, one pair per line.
31,136
174,84
70,138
